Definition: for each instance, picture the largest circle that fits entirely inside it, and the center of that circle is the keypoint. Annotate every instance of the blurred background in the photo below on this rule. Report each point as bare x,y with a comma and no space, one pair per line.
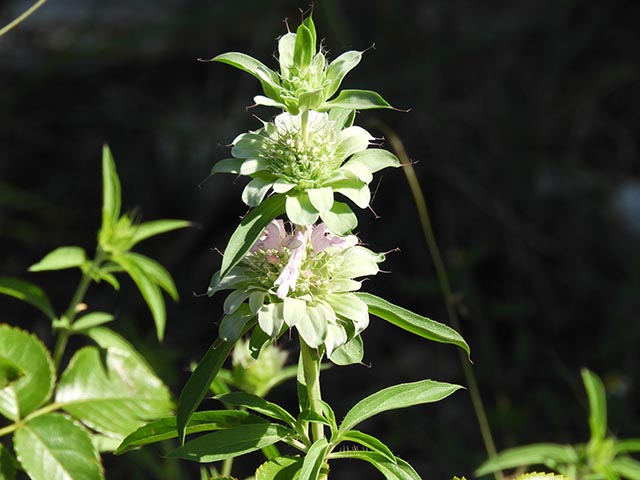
523,127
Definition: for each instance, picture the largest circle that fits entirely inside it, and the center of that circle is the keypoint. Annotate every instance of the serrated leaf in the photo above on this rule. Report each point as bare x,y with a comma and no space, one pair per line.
357,100
53,447
165,428
91,320
257,404
60,258
249,230
535,454
113,393
156,272
198,384
314,460
149,290
110,189
9,372
26,353
280,468
412,322
597,404
398,470
156,227
370,442
27,292
392,398
231,443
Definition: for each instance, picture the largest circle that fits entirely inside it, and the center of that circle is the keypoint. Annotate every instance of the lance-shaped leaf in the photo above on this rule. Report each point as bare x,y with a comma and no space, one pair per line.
250,230
597,404
626,467
338,69
113,393
232,442
392,398
27,292
629,445
148,288
314,460
110,189
370,442
198,384
257,404
349,353
165,428
392,470
412,322
549,454
356,100
267,77
91,320
52,446
61,258
31,360
156,272
156,227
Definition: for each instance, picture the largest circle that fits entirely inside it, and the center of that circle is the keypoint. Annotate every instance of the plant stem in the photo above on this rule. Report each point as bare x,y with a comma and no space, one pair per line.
311,369
9,26
445,287
304,122
226,467
72,310
14,426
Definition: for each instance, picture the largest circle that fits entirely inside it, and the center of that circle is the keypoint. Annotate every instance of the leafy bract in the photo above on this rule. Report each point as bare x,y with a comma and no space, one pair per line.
412,322
398,396
232,442
113,392
28,357
356,100
53,447
27,292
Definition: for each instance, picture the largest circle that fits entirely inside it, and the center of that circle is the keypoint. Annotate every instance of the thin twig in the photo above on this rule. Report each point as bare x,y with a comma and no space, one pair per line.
8,27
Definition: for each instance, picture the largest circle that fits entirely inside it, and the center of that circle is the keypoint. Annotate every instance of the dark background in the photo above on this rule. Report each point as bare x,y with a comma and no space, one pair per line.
524,128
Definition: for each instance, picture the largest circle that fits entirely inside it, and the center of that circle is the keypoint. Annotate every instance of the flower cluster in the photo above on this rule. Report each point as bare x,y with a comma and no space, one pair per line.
301,279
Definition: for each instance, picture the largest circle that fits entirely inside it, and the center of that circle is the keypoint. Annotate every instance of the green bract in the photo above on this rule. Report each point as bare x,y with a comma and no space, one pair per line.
306,80
309,162
302,280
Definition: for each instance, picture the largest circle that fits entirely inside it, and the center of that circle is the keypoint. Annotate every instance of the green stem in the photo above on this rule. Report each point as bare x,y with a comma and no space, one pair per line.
304,122
70,314
226,467
21,18
14,426
445,287
311,369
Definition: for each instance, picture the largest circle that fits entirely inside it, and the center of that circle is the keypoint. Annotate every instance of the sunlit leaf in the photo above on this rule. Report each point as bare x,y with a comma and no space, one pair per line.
91,320
340,219
536,454
597,404
110,189
156,272
370,442
28,355
60,258
257,404
279,468
349,353
267,77
398,470
314,460
357,100
156,227
27,292
53,447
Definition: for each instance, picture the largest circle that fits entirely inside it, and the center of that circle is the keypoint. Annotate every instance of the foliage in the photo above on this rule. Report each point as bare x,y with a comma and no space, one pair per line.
62,417
601,458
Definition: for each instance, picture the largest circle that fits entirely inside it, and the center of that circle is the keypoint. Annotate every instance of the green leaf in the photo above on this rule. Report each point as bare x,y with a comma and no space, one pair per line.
300,210
110,189
267,77
412,322
7,464
165,428
305,47
549,454
232,442
392,398
113,393
280,468
630,445
52,446
26,353
233,325
349,353
156,272
255,191
198,384
375,159
357,100
597,404
60,258
228,165
156,227
148,288
398,470
321,198
342,117
9,372
355,190
314,460
249,230
370,442
340,219
91,320
626,467
257,404
339,68
27,292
